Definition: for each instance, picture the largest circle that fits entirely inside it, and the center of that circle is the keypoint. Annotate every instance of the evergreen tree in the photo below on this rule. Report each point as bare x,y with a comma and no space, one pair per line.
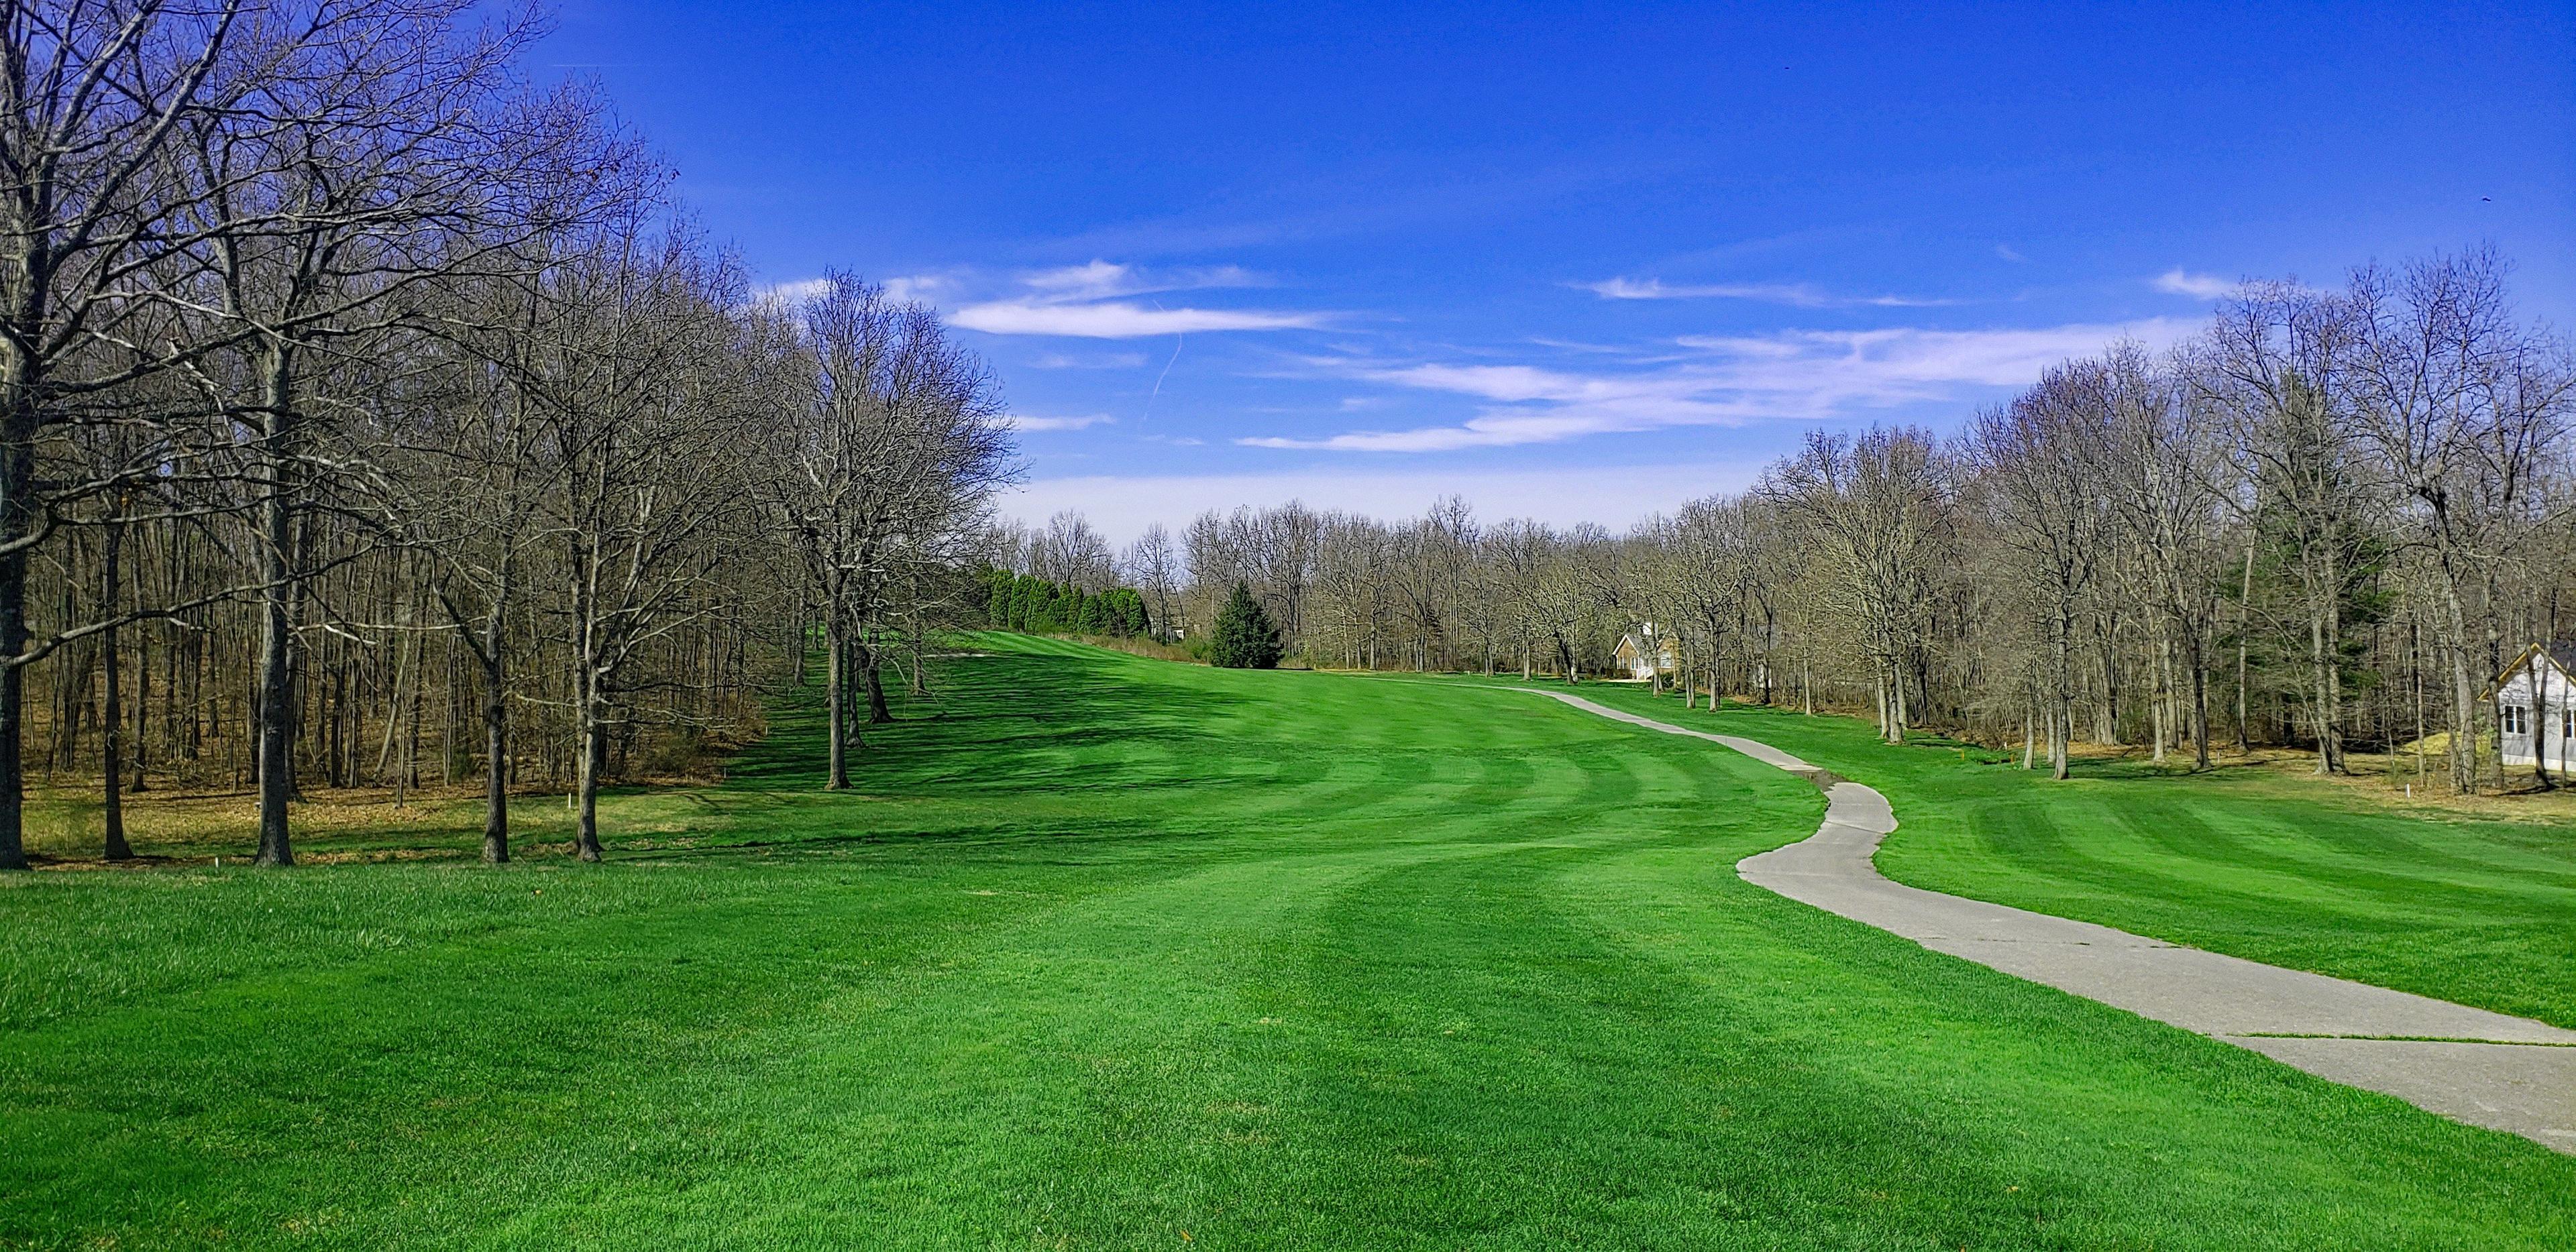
1245,637
998,585
1122,612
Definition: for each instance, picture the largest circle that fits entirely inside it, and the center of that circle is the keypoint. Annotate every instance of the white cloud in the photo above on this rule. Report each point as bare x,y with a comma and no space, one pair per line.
1802,295
1087,301
2006,251
1022,421
791,293
2198,286
1080,282
904,287
922,287
1101,280
1727,381
1122,506
1118,319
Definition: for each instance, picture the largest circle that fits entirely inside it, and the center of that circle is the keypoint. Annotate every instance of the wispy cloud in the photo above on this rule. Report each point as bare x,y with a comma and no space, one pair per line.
1801,295
1726,381
1090,301
2007,252
1086,361
2181,282
791,293
1101,280
1022,421
1118,319
923,287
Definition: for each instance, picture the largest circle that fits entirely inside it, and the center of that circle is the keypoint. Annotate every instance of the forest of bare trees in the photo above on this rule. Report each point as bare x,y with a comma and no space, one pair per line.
373,418
2323,522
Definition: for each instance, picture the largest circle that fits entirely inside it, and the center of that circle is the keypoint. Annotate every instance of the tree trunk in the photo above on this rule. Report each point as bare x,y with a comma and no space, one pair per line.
2539,721
112,742
277,627
2199,702
493,656
2159,703
2317,695
2464,706
2325,654
836,775
800,637
594,754
2244,631
2061,712
878,713
17,521
496,760
142,706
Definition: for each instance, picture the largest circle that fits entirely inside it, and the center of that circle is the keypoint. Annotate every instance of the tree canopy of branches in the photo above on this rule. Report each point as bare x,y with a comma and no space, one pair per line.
368,415
2324,521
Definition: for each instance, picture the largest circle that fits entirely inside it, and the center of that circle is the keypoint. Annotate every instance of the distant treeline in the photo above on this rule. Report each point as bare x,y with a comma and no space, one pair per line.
1032,604
2329,519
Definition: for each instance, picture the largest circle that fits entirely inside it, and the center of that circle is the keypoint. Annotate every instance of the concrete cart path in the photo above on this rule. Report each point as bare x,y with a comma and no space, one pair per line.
2508,1073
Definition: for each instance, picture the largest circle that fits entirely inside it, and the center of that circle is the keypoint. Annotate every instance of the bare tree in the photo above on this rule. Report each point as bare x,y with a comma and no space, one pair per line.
2467,411
1071,551
2276,362
1155,567
2043,460
1875,510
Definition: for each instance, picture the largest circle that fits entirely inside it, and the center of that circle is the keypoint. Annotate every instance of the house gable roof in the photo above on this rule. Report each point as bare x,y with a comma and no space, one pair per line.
2561,657
1633,646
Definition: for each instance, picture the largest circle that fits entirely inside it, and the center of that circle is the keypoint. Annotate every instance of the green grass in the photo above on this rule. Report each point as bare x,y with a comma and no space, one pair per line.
2242,861
1109,952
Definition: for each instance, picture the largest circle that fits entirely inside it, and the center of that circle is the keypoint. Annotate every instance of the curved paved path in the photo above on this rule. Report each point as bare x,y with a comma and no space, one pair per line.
2508,1073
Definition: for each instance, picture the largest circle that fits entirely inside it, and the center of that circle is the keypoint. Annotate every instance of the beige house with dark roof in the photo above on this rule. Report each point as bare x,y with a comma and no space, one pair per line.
1645,654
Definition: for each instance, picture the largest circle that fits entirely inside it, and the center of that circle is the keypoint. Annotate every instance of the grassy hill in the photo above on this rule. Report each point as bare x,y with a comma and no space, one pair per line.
1109,952
2240,860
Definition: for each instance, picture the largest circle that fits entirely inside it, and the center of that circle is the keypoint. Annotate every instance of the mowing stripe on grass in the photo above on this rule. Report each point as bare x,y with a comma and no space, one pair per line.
2484,1068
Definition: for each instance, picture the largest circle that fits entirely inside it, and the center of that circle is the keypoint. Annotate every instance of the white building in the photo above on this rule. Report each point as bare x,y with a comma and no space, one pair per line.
2535,698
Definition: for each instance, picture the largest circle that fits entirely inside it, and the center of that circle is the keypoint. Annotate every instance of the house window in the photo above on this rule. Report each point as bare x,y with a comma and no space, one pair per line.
2567,723
2516,718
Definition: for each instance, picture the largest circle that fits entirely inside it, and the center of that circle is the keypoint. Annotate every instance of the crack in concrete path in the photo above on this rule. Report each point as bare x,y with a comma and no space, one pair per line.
2487,1069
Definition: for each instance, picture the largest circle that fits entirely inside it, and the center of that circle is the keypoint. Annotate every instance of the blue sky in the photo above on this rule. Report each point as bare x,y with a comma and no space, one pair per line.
1575,262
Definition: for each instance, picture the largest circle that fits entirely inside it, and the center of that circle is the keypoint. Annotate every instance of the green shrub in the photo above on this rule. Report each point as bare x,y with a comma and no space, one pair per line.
1245,637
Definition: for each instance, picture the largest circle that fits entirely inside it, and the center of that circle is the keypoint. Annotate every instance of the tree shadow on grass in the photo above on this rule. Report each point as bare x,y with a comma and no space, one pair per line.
1000,723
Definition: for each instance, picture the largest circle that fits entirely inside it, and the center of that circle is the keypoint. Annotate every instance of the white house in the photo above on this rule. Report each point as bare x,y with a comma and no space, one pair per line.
1644,654
2542,672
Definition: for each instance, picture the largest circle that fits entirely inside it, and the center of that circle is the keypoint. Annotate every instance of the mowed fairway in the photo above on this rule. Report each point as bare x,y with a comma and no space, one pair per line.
2240,860
1109,952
